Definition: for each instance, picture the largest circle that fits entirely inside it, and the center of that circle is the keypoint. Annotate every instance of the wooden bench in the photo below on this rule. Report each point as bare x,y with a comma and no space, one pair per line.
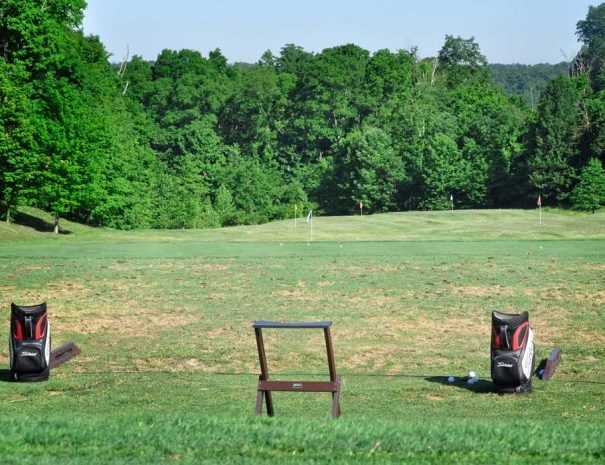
265,386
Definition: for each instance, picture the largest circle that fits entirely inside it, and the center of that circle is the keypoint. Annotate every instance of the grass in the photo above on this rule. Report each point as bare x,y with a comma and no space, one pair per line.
461,225
168,368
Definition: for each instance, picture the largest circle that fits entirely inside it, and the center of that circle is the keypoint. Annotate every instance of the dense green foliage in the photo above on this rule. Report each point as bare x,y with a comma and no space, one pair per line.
188,141
527,81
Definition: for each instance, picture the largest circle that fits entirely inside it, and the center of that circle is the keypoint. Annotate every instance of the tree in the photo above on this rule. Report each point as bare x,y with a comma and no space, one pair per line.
460,60
18,150
556,135
589,193
367,169
224,207
591,32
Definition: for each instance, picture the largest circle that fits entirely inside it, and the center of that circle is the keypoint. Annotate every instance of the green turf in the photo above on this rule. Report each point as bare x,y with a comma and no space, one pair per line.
168,369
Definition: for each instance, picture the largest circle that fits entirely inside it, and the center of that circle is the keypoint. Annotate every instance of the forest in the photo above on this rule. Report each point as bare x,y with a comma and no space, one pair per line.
189,141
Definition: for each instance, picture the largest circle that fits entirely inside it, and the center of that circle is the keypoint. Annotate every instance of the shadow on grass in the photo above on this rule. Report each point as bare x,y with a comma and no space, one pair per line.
5,376
36,223
480,387
540,366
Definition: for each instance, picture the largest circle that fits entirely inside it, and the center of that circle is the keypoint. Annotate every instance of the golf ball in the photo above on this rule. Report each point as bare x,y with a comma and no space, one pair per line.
471,374
451,379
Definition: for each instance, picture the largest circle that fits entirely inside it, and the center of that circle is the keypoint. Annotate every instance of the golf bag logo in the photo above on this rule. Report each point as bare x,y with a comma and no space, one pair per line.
29,343
512,352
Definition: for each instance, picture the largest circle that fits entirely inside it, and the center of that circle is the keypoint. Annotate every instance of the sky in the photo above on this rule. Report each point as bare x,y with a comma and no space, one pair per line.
507,31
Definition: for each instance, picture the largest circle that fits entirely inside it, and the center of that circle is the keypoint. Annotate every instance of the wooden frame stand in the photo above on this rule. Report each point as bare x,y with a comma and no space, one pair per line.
265,386
551,364
63,353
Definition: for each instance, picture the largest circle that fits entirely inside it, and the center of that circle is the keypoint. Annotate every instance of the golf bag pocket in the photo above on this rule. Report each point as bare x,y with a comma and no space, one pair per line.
512,352
29,343
505,368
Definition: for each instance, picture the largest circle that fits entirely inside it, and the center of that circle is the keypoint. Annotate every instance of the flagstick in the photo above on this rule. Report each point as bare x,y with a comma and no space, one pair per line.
540,209
295,215
311,229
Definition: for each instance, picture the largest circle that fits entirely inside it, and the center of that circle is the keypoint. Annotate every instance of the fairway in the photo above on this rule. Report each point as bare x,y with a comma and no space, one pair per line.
169,367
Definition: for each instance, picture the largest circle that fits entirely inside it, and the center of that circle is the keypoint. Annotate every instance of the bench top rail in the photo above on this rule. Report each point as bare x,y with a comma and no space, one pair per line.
279,324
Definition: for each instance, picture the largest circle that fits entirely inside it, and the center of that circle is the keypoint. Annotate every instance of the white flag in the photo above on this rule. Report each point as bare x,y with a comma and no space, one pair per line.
310,216
451,197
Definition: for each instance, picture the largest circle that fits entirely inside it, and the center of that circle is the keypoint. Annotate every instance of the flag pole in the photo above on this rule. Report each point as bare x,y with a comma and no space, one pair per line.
295,213
310,220
360,208
540,207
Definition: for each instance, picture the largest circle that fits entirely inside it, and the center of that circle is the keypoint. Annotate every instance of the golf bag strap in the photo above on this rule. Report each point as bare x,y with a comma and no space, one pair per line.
504,337
29,329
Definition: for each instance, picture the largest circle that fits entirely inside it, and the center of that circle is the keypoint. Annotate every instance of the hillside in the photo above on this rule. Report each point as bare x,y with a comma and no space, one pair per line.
460,225
526,81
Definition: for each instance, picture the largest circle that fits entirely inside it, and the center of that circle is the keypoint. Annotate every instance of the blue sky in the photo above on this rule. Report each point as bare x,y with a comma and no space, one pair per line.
508,31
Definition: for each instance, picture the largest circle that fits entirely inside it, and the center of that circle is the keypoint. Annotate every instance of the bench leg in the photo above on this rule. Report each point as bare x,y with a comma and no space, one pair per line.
336,400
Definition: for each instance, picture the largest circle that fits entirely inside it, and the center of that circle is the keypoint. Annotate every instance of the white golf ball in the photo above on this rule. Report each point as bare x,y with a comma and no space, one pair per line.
471,374
451,379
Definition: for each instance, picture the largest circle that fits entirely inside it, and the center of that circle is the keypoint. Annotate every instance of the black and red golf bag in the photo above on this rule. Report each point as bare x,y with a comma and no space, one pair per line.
29,343
513,353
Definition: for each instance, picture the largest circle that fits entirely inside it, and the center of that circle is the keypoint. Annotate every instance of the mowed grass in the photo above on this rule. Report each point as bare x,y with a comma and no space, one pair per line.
169,367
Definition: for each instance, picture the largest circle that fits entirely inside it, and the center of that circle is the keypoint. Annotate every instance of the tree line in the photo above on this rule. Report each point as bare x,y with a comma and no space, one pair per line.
190,141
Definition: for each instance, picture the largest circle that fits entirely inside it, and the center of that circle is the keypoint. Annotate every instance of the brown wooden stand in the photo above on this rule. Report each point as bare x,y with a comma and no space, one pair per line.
265,386
63,353
552,362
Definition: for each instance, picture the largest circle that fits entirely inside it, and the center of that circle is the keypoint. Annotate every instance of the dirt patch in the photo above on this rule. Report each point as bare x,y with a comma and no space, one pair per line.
563,294
594,266
371,268
483,291
117,324
62,289
297,294
374,358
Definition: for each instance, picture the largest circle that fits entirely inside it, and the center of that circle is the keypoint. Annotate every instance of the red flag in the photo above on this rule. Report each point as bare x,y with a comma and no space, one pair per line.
539,200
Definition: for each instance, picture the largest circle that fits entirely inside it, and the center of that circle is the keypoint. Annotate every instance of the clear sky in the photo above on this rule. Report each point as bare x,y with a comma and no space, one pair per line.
508,31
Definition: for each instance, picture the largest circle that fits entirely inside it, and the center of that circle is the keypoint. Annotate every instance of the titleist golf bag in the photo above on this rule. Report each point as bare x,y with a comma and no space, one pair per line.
513,354
29,343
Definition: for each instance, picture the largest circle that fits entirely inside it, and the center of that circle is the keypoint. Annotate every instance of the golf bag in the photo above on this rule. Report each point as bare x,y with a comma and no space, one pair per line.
512,351
29,343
